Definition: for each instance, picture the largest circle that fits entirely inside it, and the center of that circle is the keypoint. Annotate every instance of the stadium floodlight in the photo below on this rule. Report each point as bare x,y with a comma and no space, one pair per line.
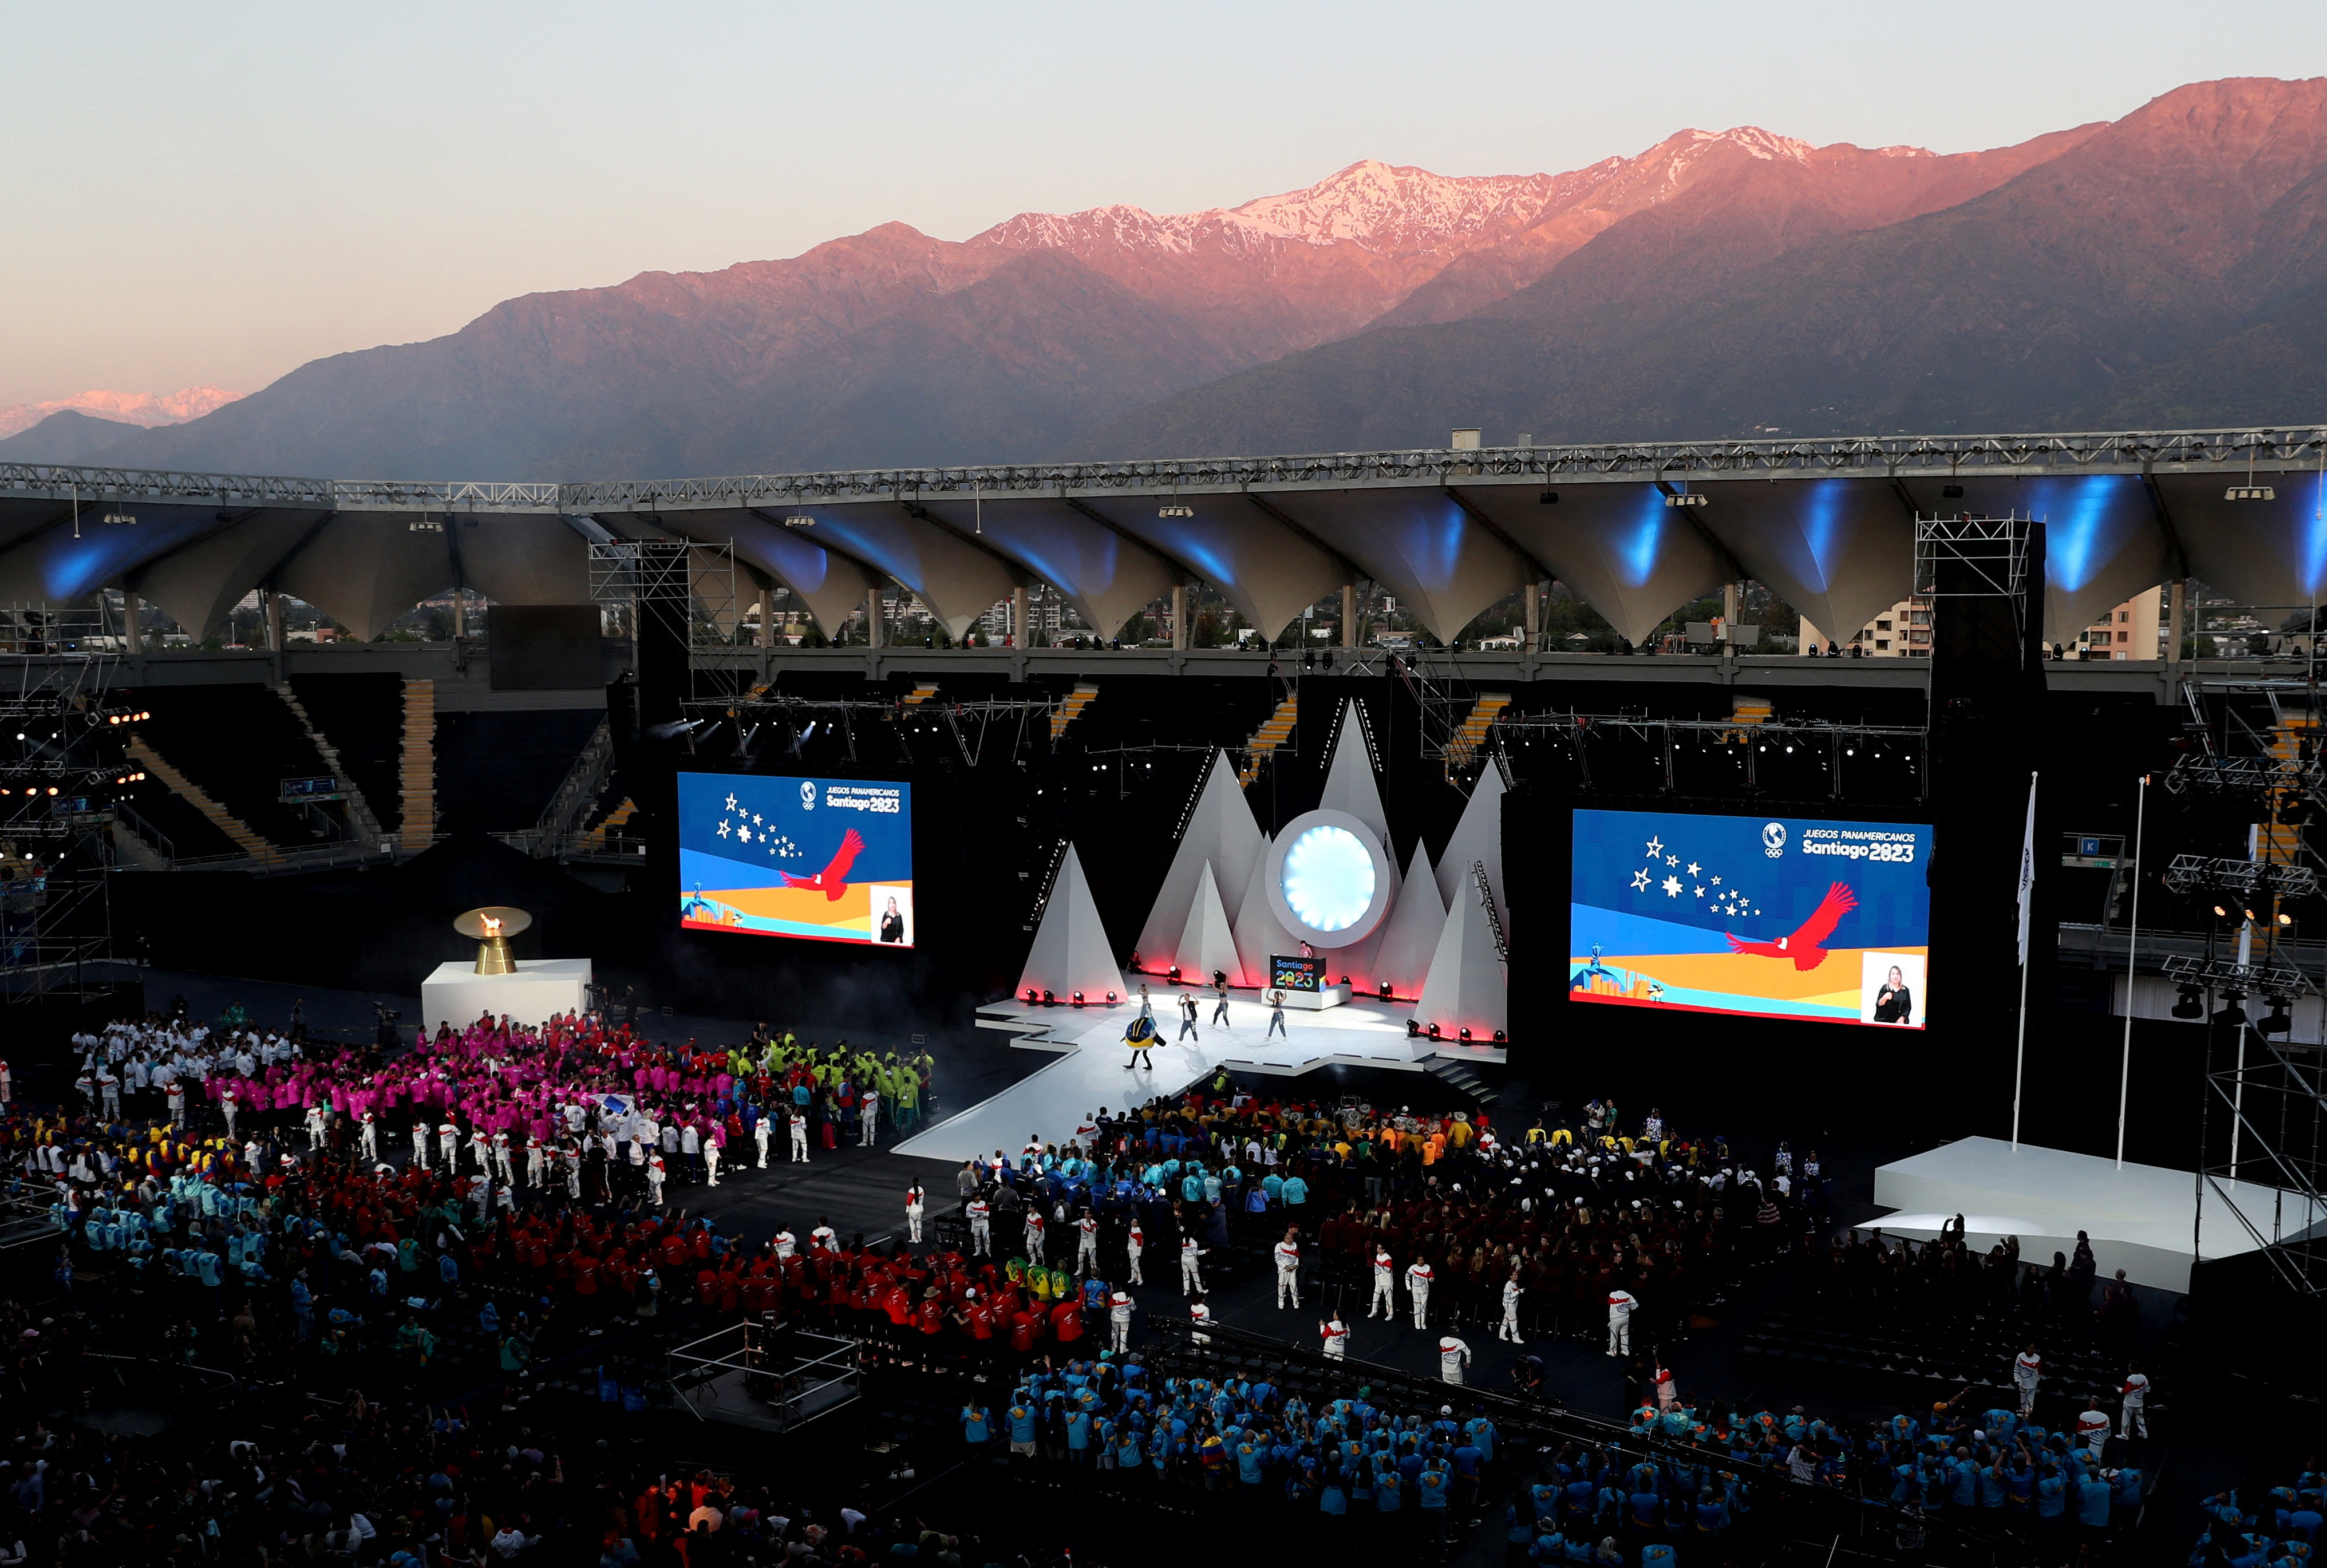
2250,492
1175,511
1685,499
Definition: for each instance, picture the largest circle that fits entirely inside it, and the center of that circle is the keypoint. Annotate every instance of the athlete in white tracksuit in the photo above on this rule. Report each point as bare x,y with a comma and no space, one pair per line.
914,1197
370,1138
1335,1334
656,1177
2136,1394
799,1135
1086,1244
1118,1318
1191,1281
420,1144
710,1163
1417,1285
1620,1322
1138,1244
1385,1285
2027,1368
1512,1289
869,1119
1288,1271
1453,1355
763,1131
981,1229
1034,1236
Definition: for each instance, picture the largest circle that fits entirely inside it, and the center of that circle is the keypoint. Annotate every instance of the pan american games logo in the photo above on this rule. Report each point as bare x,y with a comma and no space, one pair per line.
807,796
1773,839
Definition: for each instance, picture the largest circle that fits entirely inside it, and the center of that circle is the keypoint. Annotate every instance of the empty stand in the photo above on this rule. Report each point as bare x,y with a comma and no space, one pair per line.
497,769
417,770
1068,711
358,720
1272,734
229,747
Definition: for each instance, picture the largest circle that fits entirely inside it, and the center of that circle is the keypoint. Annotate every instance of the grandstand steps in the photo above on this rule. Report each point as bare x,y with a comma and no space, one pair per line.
1068,711
417,771
596,838
1273,733
1466,744
133,848
195,796
923,690
361,819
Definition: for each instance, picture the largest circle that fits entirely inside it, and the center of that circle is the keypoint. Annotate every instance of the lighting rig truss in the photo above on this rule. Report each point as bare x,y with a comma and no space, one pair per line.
2253,881
1996,549
968,723
2202,772
1753,740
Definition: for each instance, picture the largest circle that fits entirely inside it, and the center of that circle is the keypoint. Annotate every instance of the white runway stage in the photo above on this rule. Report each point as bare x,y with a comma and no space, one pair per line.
2142,1219
1089,1073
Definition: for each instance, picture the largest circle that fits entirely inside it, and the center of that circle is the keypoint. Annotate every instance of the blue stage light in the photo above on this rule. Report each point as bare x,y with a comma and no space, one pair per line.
1329,878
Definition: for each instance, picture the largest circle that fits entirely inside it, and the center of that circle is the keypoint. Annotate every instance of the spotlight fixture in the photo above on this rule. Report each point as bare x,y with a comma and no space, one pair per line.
1173,974
1032,996
1434,1032
800,521
1953,492
1077,999
2232,1013
2192,1005
1499,1037
1385,990
1685,499
1111,999
1548,499
1049,999
1413,1029
1175,511
2277,1020
2250,492
1465,1034
2284,918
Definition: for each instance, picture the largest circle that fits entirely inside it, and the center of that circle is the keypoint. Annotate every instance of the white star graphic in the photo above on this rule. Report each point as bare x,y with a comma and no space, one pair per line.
1656,847
1716,881
1671,886
758,820
723,827
1672,860
731,803
1640,882
744,835
1691,868
1700,893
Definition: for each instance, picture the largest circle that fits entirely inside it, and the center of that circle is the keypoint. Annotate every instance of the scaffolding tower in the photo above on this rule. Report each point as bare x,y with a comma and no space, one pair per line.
2263,1128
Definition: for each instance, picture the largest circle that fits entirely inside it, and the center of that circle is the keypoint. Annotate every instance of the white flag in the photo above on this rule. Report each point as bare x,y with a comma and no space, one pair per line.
2027,869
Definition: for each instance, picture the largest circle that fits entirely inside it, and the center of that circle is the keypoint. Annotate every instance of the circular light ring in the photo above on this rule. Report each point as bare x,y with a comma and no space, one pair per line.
1330,880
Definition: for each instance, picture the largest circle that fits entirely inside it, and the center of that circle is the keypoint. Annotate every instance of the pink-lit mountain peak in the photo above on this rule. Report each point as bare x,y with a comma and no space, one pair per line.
1400,209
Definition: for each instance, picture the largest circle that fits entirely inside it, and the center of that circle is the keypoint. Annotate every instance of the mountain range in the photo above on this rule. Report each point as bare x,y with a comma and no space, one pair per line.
2163,269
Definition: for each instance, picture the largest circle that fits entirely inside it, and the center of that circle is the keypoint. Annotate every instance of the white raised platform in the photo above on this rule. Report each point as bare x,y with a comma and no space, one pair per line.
2145,1220
1319,1000
1091,1070
457,995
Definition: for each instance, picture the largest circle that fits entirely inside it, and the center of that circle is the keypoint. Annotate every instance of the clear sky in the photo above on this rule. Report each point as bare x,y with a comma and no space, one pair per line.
219,192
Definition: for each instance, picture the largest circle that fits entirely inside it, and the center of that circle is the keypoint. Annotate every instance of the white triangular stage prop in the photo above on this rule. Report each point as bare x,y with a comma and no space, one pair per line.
1349,784
1071,950
1259,934
1410,935
1206,941
1465,988
1477,836
1222,832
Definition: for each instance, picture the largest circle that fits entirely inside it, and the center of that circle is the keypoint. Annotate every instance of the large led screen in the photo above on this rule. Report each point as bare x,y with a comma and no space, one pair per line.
829,859
1783,917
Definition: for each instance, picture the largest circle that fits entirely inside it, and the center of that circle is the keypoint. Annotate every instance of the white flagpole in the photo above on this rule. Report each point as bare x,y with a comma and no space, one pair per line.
2027,885
2132,940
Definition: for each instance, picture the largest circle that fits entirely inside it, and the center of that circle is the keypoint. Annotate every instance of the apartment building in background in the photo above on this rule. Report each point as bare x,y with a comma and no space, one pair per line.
2133,629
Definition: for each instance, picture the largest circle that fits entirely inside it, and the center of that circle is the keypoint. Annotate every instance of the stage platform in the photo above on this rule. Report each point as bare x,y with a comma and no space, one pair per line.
2142,1219
1091,1070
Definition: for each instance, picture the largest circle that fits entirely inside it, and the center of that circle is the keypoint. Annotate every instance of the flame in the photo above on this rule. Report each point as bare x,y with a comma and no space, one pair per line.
493,926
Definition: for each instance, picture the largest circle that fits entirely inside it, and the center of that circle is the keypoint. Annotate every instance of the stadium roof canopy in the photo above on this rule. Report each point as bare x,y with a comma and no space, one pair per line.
1827,525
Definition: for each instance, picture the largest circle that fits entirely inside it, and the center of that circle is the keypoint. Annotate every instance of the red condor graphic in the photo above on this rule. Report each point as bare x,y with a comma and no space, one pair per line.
1804,946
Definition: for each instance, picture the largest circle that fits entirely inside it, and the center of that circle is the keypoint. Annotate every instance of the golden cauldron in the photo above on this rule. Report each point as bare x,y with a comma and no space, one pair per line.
493,926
